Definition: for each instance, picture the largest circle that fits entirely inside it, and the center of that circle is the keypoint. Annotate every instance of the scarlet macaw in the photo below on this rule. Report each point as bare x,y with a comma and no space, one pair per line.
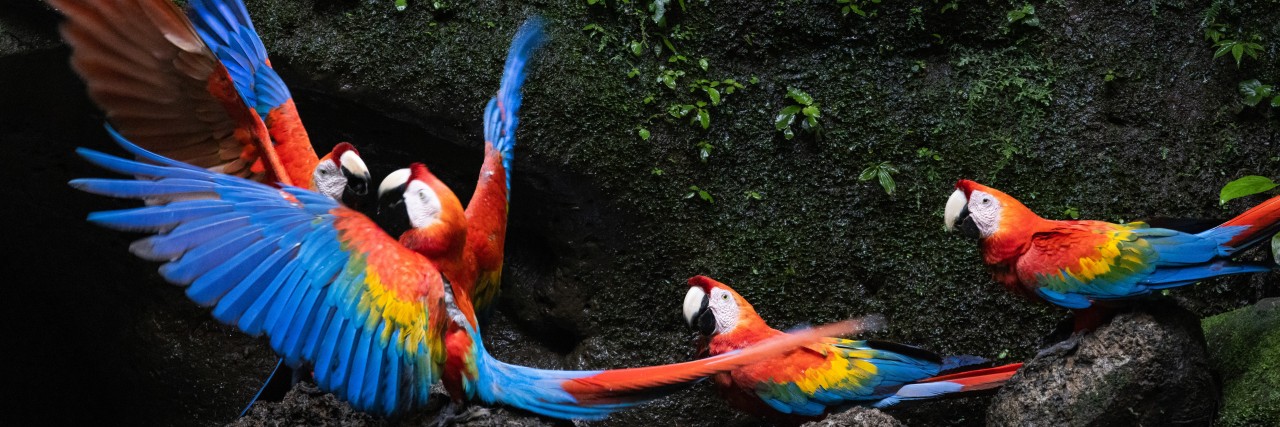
1074,264
806,383
199,88
377,320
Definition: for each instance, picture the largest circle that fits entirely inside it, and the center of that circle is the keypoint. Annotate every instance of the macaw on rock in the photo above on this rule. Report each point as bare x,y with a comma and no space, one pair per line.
807,383
376,319
199,88
1075,264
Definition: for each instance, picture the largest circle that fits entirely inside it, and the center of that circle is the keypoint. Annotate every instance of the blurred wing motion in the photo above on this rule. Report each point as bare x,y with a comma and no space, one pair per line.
329,287
198,89
487,210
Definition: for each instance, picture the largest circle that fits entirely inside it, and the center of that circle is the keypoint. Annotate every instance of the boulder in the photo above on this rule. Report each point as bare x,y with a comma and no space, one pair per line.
1148,366
1244,349
857,417
307,405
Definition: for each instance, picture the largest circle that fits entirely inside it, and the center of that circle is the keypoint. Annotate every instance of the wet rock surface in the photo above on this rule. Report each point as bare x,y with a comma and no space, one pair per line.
857,417
1244,348
307,405
1148,366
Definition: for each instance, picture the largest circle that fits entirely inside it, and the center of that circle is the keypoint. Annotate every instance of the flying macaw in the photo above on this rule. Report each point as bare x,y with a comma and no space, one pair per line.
1075,264
376,319
199,88
807,383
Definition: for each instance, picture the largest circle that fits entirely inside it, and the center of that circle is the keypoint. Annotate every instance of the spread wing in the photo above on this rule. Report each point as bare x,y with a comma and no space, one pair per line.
161,85
487,210
321,281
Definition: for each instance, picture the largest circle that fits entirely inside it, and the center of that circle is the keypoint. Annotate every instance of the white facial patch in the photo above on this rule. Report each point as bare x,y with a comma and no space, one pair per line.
955,204
725,309
329,180
984,209
422,204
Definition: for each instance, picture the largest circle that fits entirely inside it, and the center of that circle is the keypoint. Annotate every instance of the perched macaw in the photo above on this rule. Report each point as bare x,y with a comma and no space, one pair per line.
1075,264
807,383
376,319
199,88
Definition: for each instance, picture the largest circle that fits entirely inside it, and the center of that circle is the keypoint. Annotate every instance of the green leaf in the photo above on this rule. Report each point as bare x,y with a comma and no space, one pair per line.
1245,186
1275,102
886,181
868,173
644,134
1223,47
786,117
714,95
788,133
812,111
704,118
1237,51
401,5
636,48
799,96
702,63
1254,91
1275,247
659,9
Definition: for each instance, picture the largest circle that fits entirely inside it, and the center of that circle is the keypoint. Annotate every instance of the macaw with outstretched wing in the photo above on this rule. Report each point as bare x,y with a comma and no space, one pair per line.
373,315
199,88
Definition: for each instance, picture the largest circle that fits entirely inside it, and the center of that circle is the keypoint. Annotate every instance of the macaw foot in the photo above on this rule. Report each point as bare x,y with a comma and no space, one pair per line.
1063,347
452,414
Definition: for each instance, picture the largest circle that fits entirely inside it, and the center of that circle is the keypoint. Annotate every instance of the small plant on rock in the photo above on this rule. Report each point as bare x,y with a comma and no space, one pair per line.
804,108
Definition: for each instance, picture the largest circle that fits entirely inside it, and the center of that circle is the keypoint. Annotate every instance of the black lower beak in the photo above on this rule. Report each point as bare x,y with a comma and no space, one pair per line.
356,184
705,320
392,217
965,224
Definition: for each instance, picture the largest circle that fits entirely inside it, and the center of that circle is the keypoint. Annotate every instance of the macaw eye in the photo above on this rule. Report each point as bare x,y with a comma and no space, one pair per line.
724,296
986,200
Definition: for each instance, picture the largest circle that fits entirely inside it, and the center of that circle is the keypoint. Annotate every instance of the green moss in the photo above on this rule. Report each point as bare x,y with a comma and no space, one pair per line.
1245,349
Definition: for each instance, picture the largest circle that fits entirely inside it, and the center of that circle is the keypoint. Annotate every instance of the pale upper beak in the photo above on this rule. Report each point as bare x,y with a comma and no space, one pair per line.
697,313
957,207
357,174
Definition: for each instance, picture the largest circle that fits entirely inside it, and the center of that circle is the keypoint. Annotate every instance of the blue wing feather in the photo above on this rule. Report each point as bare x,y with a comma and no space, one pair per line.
270,263
226,28
500,119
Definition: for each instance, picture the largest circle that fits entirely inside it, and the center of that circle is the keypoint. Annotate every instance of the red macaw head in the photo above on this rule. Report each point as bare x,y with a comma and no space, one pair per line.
342,175
426,214
714,308
980,211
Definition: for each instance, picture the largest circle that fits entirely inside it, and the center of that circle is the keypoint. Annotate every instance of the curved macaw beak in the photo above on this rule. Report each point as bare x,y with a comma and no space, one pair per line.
957,215
391,214
357,174
696,312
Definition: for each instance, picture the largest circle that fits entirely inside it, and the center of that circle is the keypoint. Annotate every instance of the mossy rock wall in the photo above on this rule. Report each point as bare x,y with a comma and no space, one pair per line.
1107,110
1244,346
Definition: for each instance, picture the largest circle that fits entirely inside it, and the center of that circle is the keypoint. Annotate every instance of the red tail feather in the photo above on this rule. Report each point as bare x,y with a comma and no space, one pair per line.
626,384
979,379
1261,219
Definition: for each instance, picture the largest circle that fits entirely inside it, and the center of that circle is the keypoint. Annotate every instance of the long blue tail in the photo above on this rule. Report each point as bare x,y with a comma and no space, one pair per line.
500,118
